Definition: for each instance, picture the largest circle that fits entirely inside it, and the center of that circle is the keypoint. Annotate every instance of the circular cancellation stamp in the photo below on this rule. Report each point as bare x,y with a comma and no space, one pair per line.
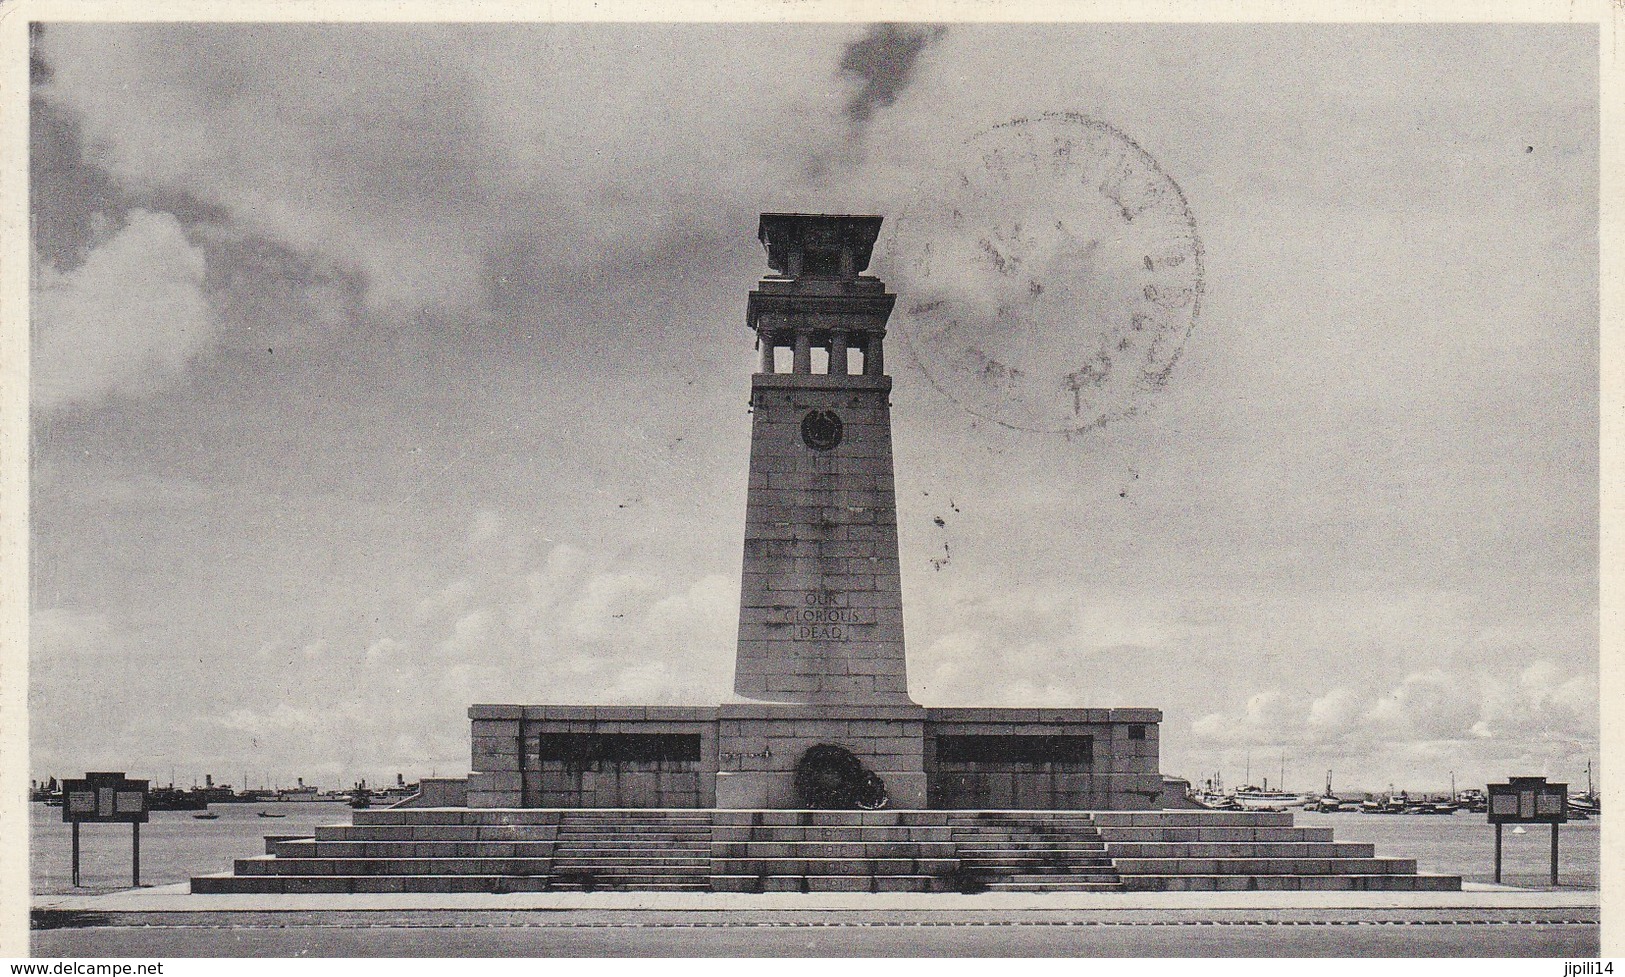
1052,275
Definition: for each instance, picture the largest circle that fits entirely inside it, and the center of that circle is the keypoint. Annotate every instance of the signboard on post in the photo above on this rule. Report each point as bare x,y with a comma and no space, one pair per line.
1527,800
106,798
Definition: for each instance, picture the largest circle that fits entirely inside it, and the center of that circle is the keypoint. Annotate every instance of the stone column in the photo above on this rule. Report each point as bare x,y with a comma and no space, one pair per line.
837,352
803,354
874,363
768,347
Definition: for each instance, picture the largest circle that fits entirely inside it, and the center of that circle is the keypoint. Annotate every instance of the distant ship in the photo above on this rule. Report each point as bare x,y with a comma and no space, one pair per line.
1584,807
1263,799
171,798
1327,802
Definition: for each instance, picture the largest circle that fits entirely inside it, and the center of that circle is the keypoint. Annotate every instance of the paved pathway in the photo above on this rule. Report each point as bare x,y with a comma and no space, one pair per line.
168,921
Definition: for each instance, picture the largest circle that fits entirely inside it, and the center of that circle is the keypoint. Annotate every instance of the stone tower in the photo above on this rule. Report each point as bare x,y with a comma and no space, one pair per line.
820,685
821,615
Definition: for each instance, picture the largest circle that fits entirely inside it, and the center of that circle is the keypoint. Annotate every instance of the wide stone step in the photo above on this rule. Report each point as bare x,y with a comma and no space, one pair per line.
834,866
1040,871
634,836
656,830
1013,828
628,818
997,819
1000,814
266,865
678,837
1045,837
986,847
329,884
1018,829
453,815
1240,849
1216,834
1291,883
833,849
1266,866
1192,819
649,869
631,884
800,883
1056,885
611,851
857,832
434,832
653,830
411,849
1027,864
636,821
826,818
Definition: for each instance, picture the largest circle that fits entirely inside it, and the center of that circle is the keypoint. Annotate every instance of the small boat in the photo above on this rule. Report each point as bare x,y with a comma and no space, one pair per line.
1327,802
268,814
206,816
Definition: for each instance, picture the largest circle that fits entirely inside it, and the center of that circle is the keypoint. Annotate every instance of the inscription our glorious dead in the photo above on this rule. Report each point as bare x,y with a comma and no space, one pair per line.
825,615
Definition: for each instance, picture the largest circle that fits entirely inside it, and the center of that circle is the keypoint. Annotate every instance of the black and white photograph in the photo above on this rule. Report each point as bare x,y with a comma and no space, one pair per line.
948,484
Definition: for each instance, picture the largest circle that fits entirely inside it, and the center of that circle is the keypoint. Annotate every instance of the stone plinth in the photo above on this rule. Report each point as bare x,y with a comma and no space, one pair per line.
759,745
1043,759
744,755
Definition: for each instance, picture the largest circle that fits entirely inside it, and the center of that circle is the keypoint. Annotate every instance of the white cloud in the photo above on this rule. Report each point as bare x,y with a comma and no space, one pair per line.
126,321
347,148
384,651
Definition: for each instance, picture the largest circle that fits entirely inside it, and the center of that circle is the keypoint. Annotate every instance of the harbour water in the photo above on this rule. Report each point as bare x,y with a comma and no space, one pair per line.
1464,844
176,846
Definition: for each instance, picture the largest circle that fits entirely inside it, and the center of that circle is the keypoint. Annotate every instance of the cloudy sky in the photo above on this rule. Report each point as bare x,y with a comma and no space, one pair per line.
380,370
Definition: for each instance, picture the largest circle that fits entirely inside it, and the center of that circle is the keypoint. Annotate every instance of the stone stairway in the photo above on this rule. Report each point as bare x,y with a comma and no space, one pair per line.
688,850
1224,851
433,850
832,851
647,850
1030,851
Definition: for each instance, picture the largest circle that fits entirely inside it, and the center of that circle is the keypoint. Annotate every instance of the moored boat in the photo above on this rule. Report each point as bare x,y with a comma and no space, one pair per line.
1263,799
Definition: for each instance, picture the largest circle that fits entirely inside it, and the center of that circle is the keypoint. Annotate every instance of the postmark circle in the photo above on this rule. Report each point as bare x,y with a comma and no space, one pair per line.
821,430
1050,277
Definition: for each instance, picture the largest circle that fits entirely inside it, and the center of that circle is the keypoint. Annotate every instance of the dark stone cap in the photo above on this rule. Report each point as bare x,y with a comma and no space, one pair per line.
782,234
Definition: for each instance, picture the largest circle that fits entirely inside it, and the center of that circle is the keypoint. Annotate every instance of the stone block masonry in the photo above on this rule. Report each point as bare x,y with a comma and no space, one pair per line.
821,610
743,755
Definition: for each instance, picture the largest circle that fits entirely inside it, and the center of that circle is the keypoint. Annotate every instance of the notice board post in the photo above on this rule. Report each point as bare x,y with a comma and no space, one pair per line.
1527,800
106,798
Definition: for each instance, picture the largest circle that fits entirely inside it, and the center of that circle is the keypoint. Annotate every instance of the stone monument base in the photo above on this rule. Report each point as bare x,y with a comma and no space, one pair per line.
760,743
744,755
